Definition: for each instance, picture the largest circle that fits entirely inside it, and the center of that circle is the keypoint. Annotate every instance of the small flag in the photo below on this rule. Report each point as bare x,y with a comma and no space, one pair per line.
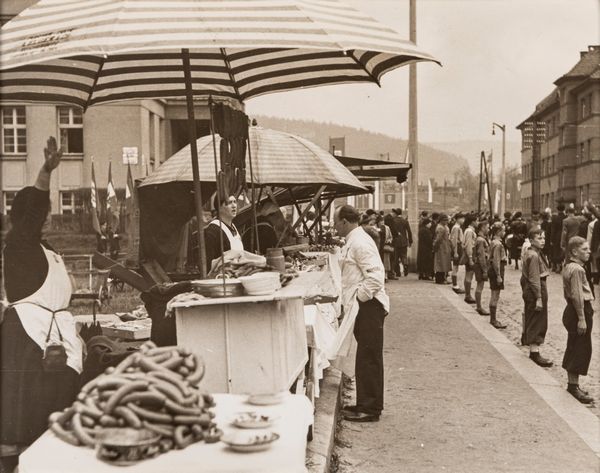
497,201
407,154
112,204
94,201
429,191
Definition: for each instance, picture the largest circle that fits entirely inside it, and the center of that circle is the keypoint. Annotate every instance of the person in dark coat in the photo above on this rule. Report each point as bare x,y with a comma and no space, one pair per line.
555,234
519,231
570,228
546,225
425,251
402,241
38,290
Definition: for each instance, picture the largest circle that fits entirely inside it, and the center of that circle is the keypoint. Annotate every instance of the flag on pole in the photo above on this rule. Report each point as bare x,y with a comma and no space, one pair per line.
497,201
429,191
132,220
112,204
403,196
407,154
94,201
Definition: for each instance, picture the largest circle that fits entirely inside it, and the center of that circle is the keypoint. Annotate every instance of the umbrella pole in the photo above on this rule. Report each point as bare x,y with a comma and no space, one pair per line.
185,54
218,193
255,242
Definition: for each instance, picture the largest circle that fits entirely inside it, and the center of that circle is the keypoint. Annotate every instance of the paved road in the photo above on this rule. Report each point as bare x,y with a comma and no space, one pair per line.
453,403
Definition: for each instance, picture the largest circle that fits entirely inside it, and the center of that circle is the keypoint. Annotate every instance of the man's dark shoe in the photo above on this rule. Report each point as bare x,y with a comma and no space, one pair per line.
497,324
392,277
482,311
361,417
458,290
540,360
579,394
350,409
470,300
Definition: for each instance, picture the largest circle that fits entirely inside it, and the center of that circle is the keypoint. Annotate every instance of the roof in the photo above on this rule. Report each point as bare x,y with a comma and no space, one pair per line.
370,169
550,100
587,65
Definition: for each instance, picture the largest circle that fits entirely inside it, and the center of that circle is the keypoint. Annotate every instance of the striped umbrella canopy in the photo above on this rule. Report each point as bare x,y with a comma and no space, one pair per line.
88,52
279,159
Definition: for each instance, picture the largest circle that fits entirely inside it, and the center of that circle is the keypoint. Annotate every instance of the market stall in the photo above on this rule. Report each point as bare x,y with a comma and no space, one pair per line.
151,413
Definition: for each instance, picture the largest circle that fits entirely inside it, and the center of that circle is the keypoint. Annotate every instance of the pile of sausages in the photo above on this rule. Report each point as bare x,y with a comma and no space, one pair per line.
153,389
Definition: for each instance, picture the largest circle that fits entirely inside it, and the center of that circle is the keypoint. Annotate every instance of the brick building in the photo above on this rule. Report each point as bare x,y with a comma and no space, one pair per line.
560,154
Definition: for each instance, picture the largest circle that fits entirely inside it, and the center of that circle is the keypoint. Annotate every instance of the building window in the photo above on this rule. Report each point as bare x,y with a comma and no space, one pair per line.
8,198
14,132
70,202
70,125
581,155
588,157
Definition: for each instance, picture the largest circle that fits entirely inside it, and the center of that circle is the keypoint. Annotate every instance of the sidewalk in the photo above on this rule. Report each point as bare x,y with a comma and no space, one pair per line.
460,397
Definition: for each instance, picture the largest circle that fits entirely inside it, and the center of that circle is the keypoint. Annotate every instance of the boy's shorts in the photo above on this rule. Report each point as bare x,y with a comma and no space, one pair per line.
479,275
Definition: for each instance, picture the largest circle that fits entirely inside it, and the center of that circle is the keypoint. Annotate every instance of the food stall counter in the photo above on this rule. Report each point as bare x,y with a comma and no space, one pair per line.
292,417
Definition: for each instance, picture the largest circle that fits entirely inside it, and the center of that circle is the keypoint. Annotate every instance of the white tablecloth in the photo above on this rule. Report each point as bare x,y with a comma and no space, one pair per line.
51,455
321,326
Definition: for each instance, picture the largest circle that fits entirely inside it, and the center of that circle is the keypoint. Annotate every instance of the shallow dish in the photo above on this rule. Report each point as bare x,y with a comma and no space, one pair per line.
266,399
252,420
216,288
249,442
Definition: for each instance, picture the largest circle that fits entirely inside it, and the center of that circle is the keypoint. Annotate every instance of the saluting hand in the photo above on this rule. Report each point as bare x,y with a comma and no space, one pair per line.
52,155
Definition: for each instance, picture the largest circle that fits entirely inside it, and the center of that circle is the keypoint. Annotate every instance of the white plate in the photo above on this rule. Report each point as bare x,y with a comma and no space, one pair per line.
247,442
266,399
252,420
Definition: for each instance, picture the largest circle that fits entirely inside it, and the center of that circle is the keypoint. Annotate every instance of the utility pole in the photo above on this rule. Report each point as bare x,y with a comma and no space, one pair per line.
413,135
503,171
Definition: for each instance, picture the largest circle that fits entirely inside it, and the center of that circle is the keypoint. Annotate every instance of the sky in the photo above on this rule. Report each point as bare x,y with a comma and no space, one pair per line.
500,58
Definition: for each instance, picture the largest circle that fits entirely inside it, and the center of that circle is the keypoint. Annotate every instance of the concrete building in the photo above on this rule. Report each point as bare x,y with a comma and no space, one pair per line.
560,154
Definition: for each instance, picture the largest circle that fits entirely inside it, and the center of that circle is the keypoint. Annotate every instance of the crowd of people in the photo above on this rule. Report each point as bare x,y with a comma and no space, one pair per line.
566,241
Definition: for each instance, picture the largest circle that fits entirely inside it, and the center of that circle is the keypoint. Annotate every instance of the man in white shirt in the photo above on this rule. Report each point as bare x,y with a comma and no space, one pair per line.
363,297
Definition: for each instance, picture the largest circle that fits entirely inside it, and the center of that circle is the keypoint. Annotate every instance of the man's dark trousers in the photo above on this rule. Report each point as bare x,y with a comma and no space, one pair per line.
368,331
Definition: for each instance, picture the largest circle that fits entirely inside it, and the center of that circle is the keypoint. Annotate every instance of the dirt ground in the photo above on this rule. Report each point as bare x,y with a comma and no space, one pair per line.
453,403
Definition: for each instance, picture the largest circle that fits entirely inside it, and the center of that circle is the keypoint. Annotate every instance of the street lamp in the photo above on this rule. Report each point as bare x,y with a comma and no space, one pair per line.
503,172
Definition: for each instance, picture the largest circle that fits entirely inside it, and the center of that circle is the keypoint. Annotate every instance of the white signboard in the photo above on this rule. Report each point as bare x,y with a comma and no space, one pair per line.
130,155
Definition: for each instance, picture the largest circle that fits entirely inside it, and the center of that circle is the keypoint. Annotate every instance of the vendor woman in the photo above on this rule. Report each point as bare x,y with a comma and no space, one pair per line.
35,380
222,225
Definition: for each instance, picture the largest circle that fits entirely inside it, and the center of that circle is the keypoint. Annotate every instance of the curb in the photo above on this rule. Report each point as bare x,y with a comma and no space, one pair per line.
584,423
318,452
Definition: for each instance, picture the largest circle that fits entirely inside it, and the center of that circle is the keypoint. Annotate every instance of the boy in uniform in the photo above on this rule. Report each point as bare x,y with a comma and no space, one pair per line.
577,317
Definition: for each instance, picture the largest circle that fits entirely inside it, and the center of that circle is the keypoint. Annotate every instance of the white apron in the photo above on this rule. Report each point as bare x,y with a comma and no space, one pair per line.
35,312
342,351
235,241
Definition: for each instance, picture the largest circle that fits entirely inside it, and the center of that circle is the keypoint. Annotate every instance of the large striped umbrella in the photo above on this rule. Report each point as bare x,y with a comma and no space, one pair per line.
87,52
279,159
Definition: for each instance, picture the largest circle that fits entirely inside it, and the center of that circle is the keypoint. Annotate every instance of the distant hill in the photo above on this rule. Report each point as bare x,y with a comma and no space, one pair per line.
434,163
471,151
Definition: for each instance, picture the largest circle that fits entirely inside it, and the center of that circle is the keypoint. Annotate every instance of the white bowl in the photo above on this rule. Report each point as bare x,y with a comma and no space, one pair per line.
260,284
